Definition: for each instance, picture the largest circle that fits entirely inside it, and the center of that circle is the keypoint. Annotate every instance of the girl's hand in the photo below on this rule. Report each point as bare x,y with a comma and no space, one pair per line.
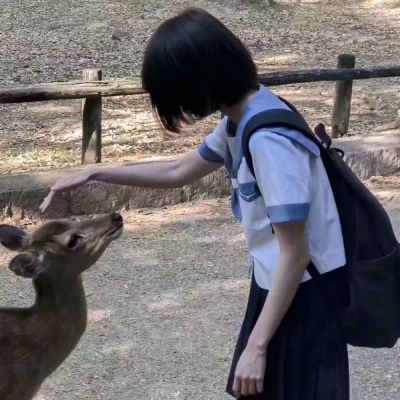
250,371
65,184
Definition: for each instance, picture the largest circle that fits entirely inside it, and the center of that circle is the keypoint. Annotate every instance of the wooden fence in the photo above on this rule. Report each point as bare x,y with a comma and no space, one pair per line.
92,88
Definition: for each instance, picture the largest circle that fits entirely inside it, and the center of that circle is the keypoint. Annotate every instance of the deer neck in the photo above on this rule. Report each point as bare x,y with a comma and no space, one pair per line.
61,314
66,295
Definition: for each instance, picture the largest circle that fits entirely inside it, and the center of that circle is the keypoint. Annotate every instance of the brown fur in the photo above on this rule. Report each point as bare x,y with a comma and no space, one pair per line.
35,341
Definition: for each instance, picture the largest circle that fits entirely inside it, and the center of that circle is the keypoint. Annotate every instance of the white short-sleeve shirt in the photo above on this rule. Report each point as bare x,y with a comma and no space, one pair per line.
294,186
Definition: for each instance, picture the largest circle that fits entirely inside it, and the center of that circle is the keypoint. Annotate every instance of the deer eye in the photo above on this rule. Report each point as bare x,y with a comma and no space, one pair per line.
74,241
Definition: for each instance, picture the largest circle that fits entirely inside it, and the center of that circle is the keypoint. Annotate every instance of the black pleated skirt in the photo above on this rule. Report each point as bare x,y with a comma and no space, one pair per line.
307,358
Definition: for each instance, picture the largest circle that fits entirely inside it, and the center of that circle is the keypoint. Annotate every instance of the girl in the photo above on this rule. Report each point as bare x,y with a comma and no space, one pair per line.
289,347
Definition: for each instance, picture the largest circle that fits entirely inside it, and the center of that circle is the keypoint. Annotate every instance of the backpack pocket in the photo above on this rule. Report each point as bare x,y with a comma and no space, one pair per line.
372,318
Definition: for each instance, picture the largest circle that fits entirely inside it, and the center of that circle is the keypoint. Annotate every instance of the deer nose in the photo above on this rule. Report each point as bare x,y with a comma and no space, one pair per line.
116,217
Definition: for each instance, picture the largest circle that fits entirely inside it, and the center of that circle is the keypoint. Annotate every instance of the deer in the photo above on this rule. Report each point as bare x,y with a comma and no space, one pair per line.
35,341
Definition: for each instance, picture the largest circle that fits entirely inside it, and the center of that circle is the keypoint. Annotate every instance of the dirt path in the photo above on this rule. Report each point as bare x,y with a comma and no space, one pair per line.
165,305
43,40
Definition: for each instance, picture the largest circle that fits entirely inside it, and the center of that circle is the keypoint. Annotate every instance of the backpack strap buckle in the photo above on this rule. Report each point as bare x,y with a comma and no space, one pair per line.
323,136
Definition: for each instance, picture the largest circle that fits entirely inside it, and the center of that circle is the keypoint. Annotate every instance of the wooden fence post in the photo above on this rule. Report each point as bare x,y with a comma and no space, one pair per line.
91,122
342,104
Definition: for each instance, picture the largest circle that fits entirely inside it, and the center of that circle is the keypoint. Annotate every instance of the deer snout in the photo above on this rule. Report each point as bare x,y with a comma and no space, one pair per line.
117,224
117,218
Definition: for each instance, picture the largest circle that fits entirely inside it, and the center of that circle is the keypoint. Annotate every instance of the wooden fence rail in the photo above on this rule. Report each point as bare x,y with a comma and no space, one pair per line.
92,89
123,87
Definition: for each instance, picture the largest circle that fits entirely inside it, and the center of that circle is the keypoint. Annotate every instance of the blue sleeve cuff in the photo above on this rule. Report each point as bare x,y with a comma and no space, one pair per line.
209,155
288,212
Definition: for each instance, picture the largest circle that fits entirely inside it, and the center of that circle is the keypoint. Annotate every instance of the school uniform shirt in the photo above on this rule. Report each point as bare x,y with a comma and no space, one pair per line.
291,185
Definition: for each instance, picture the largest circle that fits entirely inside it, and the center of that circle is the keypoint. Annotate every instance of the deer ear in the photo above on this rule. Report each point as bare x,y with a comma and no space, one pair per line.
13,238
27,265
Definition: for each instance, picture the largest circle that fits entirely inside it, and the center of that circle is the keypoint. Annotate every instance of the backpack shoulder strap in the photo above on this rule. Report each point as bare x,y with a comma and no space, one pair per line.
275,117
319,130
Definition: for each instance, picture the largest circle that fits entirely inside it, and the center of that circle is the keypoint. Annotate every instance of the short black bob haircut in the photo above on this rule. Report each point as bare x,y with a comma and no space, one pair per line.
193,65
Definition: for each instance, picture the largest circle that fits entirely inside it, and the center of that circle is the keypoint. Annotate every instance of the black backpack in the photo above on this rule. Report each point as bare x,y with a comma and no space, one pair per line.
372,318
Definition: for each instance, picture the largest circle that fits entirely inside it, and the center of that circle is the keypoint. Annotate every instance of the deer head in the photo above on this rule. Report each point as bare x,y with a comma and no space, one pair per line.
60,248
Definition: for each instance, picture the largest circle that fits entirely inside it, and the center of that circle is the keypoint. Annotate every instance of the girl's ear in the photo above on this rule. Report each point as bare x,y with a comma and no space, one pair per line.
13,238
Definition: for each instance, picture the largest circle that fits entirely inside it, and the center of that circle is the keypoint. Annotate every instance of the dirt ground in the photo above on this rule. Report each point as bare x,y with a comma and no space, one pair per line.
165,306
43,40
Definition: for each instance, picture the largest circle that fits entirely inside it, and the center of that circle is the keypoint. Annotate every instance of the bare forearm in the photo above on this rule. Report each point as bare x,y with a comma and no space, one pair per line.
284,287
152,175
158,174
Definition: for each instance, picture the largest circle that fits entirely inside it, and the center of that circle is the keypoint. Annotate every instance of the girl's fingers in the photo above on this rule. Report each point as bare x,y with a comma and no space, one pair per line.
260,385
237,387
253,387
47,201
245,387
